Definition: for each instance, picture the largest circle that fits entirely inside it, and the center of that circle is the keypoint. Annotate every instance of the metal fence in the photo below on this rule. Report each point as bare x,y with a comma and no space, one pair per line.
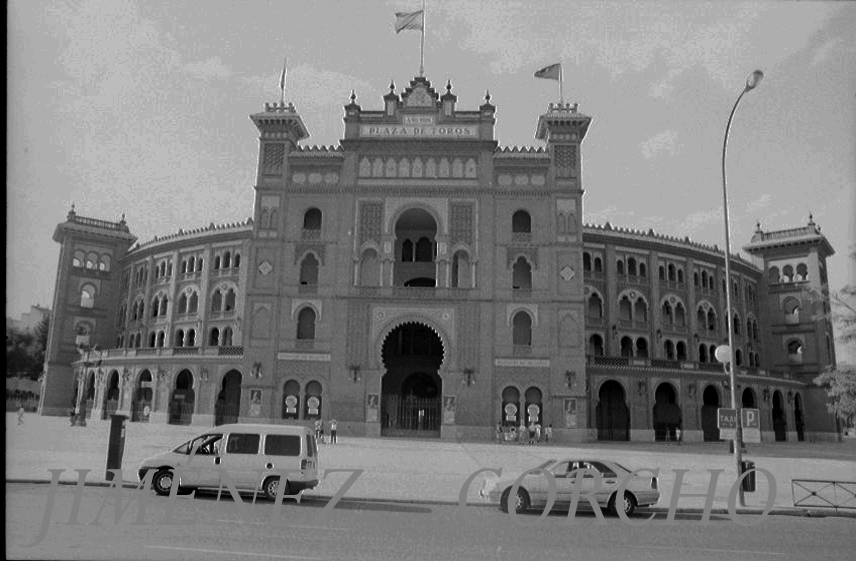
411,414
822,493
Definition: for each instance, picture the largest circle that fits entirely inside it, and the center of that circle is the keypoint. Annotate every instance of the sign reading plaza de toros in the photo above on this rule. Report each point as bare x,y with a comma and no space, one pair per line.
419,126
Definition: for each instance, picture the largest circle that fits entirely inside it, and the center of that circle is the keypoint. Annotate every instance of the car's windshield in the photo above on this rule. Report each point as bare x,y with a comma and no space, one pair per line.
545,464
616,464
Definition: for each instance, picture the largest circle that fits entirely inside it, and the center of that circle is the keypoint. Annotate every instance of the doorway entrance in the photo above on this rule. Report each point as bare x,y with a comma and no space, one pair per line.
613,415
411,389
228,404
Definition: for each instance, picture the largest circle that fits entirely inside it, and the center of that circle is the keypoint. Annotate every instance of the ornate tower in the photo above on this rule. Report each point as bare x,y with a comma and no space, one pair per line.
85,304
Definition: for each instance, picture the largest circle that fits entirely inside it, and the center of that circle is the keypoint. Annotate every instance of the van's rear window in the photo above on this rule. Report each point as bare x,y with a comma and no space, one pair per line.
244,443
282,445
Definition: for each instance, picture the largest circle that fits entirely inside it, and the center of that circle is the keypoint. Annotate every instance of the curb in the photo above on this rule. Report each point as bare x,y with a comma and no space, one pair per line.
780,511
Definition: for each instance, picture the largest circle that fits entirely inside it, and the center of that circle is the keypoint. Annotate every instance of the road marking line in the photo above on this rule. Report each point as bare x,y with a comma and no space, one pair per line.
705,549
229,552
260,523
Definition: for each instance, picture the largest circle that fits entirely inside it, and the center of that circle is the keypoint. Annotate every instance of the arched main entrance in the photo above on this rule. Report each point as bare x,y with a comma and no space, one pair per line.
183,399
780,421
411,400
228,404
142,403
613,415
710,400
799,421
667,413
89,396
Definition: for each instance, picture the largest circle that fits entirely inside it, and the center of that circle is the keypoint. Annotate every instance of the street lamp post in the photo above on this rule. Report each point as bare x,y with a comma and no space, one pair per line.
751,83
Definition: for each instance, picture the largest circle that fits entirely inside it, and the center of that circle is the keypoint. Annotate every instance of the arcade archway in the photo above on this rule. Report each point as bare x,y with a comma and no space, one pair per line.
799,420
228,405
111,396
411,389
613,415
183,399
141,406
667,413
711,402
780,420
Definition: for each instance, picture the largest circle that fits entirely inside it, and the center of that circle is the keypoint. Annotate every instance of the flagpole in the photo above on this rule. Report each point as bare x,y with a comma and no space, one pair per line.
282,81
422,45
561,80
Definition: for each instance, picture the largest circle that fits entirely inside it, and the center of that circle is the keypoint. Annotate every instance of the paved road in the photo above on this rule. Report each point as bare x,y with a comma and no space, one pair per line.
378,531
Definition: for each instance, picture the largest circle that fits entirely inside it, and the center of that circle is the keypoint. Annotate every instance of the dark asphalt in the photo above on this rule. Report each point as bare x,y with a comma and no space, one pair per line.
360,530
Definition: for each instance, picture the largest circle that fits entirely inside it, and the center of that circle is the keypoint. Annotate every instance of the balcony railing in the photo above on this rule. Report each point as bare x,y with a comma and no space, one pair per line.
230,351
522,350
521,237
179,351
310,234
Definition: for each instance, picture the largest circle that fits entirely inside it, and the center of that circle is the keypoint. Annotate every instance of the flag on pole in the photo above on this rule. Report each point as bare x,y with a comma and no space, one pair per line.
409,20
552,72
283,76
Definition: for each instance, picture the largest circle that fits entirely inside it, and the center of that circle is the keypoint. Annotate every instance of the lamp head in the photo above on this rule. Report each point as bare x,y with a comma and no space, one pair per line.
753,80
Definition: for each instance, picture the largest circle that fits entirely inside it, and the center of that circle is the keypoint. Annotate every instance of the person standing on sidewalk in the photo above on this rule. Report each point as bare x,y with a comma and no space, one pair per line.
318,430
20,413
334,425
548,433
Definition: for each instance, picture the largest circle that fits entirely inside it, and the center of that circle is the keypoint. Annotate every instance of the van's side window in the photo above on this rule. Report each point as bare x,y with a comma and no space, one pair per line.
282,445
243,443
205,445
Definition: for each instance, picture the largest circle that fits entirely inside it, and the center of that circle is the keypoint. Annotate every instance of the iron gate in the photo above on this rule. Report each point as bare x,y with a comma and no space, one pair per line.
410,414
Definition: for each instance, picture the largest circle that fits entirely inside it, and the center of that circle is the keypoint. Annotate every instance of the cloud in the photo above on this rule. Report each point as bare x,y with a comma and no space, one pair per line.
206,69
659,143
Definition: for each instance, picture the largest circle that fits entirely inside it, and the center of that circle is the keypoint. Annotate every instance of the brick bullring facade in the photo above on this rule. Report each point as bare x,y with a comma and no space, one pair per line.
419,279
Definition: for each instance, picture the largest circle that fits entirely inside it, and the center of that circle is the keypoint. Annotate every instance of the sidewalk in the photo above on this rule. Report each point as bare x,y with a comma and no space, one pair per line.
433,471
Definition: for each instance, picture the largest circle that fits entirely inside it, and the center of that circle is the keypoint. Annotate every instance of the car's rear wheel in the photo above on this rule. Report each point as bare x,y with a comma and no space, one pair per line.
520,503
628,504
271,487
162,482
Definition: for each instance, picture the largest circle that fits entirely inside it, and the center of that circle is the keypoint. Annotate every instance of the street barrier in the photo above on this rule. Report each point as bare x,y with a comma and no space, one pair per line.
823,493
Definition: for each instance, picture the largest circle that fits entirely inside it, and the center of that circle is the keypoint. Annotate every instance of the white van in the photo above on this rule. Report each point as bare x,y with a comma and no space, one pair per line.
249,453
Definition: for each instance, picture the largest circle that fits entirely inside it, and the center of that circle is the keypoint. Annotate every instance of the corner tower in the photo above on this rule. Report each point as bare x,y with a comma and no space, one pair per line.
85,303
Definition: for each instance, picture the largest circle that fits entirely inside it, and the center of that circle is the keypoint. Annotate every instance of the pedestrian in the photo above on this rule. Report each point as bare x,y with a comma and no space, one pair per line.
537,432
531,434
334,425
521,432
548,433
498,434
678,435
20,413
318,429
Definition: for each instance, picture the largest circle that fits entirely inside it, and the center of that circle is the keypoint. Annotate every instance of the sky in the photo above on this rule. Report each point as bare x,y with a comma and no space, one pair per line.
141,107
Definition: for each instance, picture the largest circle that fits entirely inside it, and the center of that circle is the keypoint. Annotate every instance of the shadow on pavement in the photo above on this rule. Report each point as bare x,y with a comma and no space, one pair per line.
307,502
638,516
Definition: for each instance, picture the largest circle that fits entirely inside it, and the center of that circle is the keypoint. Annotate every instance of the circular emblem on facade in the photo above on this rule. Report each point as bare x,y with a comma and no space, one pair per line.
147,410
504,180
533,411
538,180
380,314
313,403
265,268
632,294
521,180
314,178
299,178
331,178
445,316
291,401
510,412
567,273
672,299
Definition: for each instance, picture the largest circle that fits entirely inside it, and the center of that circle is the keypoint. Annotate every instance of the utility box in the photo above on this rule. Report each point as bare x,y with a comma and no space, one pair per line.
749,480
116,444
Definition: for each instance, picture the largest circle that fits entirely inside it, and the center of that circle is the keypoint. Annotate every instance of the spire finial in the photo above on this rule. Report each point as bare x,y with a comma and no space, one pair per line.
810,219
353,96
757,225
487,95
449,86
391,86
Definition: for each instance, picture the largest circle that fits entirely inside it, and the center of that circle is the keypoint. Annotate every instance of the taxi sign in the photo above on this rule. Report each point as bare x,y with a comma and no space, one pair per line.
726,418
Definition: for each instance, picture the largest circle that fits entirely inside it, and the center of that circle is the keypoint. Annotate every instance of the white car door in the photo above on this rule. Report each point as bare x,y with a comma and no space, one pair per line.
202,457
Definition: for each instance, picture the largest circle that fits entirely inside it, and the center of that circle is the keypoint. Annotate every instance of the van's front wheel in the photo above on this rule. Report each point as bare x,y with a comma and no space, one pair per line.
271,487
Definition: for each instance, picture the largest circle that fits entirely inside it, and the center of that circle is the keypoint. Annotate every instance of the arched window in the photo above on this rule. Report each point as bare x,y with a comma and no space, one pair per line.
237,261
152,339
662,273
631,266
227,336
704,279
227,260
461,273
702,353
788,273
701,318
161,338
190,338
643,269
216,262
598,265
369,269
291,399
595,306
191,264
711,320
163,305
669,349
640,310
217,301
802,272
696,281
680,276
214,337
586,261
104,263
312,219
199,264
306,324
78,259
179,338
91,260
521,222
182,304
680,315
87,297
522,329
642,347
668,317
521,274
736,321
672,275
183,266
155,307
792,310
193,303
229,303
795,350
626,346
738,357
773,275
681,350
619,267
309,270
624,309
406,251
424,251
596,345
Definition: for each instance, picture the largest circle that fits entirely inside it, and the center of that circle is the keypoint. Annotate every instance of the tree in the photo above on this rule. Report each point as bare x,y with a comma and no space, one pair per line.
25,351
840,380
